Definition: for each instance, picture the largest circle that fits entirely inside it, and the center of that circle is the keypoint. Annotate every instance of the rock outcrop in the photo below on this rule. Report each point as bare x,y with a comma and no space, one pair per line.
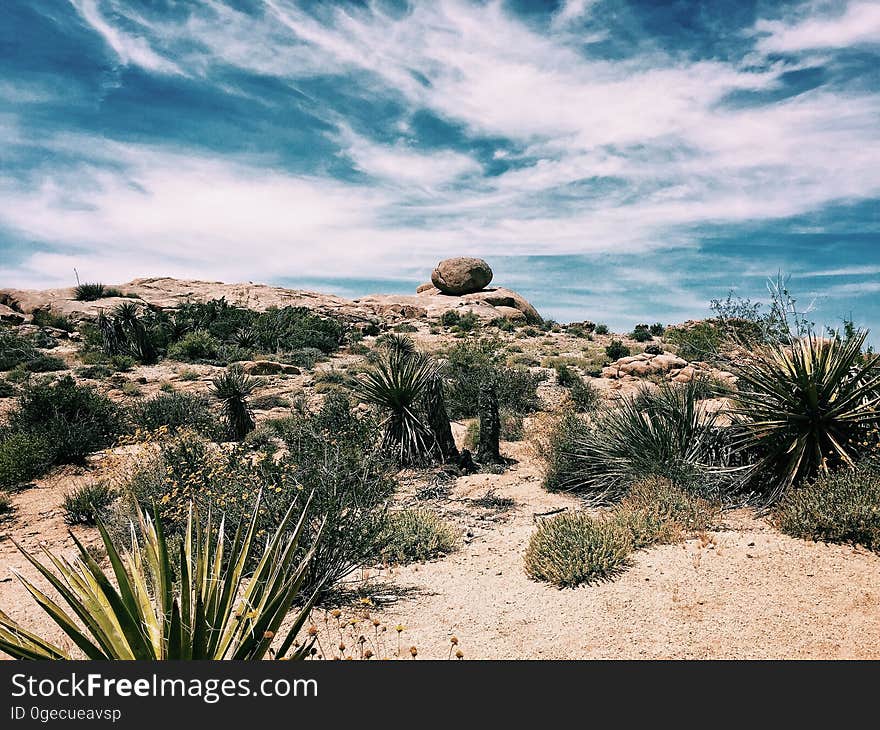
668,367
169,293
461,275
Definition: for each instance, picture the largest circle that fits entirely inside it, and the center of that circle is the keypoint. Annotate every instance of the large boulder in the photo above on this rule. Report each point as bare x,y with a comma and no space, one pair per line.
462,275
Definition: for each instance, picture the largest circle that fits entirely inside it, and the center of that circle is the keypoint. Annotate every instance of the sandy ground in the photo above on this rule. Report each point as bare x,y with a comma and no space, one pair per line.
748,592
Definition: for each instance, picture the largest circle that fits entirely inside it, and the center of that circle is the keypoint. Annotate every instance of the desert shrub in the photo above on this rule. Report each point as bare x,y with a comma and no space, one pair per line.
698,340
7,389
94,372
557,450
406,327
75,419
653,349
806,408
294,328
175,411
305,357
122,363
616,350
44,364
127,331
331,453
15,349
6,506
667,432
450,318
468,322
601,329
573,548
23,456
269,401
656,511
841,507
47,318
195,346
641,333
504,324
584,396
84,505
89,292
233,388
131,389
657,329
413,535
469,365
565,376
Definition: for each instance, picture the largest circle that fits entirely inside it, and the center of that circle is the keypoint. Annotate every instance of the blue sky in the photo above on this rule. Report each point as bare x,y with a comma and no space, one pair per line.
617,160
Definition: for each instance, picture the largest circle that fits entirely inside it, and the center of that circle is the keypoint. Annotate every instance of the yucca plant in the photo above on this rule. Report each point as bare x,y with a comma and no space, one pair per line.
212,611
126,332
89,292
667,433
397,384
805,407
234,387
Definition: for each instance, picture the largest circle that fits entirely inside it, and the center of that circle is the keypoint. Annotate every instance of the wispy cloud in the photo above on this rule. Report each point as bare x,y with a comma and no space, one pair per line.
368,138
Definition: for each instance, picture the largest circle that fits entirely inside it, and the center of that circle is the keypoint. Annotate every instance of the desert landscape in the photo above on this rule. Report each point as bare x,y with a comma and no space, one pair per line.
486,483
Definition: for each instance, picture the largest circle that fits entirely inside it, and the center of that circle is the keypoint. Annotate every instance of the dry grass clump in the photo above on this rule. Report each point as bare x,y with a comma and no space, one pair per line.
843,507
574,548
413,535
657,512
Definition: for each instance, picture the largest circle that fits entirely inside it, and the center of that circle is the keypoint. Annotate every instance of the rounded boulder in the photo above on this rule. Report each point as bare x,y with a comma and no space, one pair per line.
462,275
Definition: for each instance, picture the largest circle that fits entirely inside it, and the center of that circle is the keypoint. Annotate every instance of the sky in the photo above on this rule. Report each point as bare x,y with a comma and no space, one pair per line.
622,161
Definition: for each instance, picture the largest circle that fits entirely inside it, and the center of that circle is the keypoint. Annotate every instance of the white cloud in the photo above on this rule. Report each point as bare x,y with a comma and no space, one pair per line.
858,22
130,49
623,155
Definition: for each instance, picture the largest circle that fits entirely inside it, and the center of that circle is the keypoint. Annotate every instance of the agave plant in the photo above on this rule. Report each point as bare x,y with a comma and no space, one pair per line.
212,612
667,433
805,407
233,387
397,384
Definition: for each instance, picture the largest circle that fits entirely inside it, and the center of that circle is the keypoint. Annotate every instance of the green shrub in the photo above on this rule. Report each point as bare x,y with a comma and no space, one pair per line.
617,350
195,346
7,389
450,318
74,419
23,456
15,349
94,372
45,364
175,411
90,292
128,331
841,507
565,376
805,408
305,357
657,329
641,333
601,329
331,453
46,318
471,364
86,504
698,340
584,396
667,432
414,535
572,548
405,327
122,363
